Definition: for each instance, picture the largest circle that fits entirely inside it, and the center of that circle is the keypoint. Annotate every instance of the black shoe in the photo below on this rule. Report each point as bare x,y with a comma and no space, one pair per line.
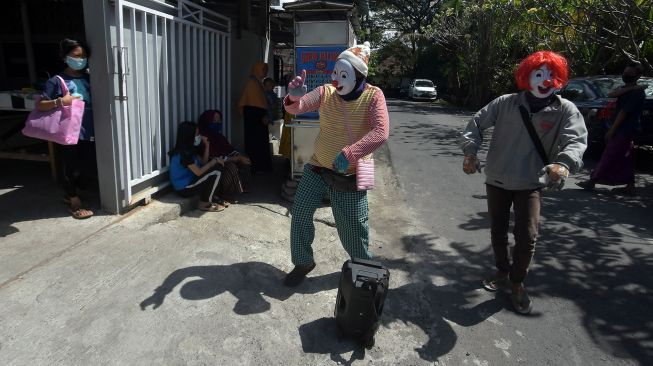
587,185
521,301
297,275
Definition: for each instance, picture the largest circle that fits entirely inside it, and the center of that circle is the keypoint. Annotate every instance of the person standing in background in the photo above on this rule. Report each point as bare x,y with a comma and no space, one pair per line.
254,109
271,99
617,164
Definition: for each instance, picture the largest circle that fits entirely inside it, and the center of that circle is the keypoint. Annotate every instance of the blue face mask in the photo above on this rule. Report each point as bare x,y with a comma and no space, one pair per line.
215,127
198,140
76,63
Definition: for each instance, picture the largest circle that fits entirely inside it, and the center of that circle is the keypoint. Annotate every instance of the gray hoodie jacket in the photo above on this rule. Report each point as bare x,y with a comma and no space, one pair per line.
512,160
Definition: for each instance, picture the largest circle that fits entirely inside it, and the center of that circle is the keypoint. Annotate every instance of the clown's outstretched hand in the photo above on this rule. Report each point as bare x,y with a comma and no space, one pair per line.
471,164
296,87
553,176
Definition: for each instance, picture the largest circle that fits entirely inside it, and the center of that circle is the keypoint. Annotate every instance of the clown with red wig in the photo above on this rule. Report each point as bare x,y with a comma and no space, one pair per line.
515,170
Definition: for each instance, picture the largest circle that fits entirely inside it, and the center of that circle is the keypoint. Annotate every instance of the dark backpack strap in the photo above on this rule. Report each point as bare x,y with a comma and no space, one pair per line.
531,131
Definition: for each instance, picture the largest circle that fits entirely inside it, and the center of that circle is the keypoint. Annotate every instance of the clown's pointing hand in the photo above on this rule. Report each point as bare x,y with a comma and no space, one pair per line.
297,87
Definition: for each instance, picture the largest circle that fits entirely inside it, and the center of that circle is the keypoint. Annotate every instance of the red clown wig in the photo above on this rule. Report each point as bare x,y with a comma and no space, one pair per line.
554,61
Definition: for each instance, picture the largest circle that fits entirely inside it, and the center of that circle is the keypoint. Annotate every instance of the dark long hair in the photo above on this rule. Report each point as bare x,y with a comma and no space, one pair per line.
67,45
185,138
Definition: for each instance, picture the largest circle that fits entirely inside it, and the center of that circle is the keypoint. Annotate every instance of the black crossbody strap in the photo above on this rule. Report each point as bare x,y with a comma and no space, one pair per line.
531,131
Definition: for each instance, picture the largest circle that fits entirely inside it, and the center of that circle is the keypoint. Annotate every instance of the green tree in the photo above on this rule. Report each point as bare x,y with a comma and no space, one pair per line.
597,34
406,21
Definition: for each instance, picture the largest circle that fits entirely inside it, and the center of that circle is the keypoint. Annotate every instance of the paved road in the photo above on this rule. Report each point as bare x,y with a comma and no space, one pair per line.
593,269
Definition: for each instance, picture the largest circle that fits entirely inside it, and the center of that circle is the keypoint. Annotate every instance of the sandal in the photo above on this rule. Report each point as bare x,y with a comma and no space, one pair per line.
222,202
496,283
213,207
80,213
521,302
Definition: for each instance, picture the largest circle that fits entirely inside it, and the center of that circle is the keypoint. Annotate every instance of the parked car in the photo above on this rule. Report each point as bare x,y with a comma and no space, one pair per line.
422,89
590,95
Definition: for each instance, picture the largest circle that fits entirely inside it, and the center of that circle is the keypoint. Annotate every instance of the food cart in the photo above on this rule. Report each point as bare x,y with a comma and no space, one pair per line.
322,31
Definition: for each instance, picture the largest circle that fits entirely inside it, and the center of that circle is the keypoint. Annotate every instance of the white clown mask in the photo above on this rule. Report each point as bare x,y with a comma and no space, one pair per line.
541,82
343,77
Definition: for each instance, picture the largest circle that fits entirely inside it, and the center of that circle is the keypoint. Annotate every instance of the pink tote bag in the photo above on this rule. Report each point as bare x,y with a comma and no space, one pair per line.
60,125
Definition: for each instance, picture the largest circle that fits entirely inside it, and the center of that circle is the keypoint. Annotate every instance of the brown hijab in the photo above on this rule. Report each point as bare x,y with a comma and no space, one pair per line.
253,95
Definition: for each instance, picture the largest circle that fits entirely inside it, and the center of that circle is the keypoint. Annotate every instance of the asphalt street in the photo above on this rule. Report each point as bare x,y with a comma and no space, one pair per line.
591,278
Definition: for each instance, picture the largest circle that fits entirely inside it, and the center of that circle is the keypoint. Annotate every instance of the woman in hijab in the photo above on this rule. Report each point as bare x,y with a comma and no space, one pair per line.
236,171
253,107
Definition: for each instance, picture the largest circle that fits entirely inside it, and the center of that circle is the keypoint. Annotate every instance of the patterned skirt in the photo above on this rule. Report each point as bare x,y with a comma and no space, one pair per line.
234,180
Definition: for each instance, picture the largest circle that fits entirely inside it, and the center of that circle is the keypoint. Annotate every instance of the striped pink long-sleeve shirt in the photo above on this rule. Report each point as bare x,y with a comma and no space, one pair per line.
367,117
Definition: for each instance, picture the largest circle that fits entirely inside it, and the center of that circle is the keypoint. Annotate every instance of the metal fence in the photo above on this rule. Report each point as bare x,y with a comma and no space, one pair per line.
172,63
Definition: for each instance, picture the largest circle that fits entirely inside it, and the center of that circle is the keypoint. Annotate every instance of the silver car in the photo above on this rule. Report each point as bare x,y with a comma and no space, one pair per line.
422,89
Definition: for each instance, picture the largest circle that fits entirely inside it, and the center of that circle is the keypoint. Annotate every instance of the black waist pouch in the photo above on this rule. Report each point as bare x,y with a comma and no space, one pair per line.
339,182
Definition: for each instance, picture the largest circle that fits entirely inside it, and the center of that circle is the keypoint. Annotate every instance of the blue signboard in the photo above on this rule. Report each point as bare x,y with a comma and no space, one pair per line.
318,63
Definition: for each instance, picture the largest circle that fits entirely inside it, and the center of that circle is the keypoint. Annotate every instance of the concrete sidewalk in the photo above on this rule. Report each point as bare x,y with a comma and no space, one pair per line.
168,285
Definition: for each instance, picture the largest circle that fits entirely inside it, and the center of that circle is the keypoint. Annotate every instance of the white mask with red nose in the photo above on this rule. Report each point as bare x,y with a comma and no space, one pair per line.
541,82
343,77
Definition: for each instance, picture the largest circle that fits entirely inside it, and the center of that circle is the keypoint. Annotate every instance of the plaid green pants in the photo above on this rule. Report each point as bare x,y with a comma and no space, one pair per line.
349,209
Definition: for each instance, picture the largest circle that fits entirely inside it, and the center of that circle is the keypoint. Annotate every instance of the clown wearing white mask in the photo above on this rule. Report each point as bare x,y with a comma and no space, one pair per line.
353,123
517,169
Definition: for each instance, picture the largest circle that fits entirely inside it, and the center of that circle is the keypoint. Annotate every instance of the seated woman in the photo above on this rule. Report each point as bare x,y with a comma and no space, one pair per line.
236,172
191,174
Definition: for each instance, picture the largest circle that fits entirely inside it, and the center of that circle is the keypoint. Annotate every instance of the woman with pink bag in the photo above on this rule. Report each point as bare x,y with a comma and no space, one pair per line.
78,160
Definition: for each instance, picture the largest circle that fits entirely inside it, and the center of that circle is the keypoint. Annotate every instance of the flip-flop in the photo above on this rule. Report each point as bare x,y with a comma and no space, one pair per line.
213,207
80,213
496,283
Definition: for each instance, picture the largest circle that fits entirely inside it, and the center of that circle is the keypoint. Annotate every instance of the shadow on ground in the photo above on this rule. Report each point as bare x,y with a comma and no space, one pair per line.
29,193
594,250
249,282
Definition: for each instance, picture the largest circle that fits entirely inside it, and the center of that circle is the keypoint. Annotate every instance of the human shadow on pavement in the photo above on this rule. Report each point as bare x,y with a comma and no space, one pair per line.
594,250
420,302
439,293
249,282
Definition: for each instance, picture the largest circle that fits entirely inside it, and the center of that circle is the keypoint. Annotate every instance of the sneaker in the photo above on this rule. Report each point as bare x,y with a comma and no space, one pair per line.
587,185
521,301
297,275
496,282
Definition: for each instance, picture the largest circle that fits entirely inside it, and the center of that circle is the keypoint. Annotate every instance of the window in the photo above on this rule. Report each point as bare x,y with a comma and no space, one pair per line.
574,91
424,83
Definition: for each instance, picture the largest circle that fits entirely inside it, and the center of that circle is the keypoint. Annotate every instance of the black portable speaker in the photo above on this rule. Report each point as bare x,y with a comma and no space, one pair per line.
359,303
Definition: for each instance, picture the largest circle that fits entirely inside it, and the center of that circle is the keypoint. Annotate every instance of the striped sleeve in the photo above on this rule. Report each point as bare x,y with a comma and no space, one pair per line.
308,103
379,123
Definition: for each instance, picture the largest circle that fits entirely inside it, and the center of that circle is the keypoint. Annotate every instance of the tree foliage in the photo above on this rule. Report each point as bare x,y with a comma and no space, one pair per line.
479,42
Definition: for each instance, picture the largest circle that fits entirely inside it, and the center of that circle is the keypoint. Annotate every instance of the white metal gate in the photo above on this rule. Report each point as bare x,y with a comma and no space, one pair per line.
171,59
